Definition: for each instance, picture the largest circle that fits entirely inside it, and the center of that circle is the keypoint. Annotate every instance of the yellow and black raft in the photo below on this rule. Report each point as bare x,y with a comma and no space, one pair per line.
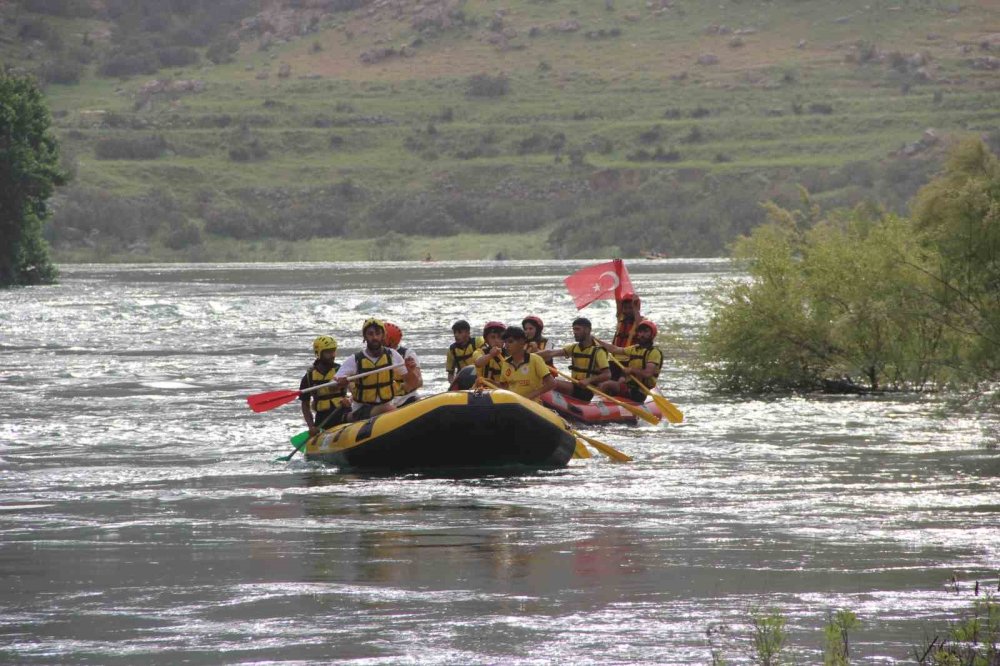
458,429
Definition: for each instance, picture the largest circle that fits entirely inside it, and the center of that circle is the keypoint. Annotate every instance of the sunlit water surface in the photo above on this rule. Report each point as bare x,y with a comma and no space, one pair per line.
143,518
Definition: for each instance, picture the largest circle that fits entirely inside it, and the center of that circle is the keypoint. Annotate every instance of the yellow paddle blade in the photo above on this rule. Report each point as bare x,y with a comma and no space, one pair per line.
606,449
668,408
581,450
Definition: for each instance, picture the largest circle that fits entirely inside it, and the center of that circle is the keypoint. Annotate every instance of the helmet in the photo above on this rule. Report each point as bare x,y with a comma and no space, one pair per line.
322,343
393,334
493,326
371,321
534,319
650,325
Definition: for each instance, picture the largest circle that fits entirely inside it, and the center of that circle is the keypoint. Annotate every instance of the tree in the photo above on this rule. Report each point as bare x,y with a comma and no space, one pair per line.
960,213
29,169
832,297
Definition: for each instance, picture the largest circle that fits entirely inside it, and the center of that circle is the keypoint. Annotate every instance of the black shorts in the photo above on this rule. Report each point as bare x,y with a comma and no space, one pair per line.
581,393
330,418
635,393
616,371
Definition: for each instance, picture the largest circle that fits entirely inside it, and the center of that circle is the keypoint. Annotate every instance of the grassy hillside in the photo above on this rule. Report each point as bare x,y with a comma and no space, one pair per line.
592,127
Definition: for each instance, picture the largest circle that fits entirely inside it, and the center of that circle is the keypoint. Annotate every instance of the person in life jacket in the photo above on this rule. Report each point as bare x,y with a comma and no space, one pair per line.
521,371
489,356
533,326
627,316
406,390
643,364
330,403
588,362
460,352
372,395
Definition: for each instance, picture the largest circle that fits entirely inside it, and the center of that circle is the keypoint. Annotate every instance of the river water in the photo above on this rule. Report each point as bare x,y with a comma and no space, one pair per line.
143,518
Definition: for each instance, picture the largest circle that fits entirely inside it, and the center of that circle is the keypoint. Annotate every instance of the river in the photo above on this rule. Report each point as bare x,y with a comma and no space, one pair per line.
143,518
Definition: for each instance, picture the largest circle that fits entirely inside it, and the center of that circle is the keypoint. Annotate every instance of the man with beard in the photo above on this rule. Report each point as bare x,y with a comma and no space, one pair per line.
643,363
588,364
373,394
628,314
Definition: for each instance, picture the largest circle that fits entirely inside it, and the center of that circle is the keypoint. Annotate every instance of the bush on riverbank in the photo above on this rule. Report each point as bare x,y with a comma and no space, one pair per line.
864,300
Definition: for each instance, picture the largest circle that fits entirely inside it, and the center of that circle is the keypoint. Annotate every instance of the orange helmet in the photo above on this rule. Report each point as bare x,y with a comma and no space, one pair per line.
650,325
393,334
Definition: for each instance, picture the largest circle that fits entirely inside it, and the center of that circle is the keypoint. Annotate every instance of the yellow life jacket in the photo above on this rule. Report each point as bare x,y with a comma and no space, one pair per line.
537,345
399,382
325,398
379,387
459,357
491,370
583,362
638,357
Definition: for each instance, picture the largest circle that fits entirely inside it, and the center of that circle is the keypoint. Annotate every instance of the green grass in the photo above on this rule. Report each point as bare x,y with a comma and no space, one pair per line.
608,89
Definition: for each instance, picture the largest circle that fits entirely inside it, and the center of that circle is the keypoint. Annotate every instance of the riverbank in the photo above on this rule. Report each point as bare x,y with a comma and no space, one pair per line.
392,247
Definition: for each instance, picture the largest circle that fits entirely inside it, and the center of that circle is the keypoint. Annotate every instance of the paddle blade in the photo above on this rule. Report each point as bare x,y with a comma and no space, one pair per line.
300,438
668,408
606,449
263,402
581,450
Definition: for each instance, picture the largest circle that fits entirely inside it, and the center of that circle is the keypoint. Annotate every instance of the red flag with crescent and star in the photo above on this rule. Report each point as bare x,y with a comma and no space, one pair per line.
601,281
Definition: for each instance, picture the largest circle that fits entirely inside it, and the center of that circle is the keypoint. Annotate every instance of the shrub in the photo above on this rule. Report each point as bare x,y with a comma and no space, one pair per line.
66,72
125,148
177,56
820,108
842,295
223,50
182,233
39,29
694,135
652,135
67,8
129,64
485,85
90,216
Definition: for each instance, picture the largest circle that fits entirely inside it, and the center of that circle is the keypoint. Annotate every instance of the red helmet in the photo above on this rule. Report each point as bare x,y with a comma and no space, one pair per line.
498,326
650,325
534,319
393,334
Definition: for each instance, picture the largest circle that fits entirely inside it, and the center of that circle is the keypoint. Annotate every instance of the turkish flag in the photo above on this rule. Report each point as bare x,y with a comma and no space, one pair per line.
592,283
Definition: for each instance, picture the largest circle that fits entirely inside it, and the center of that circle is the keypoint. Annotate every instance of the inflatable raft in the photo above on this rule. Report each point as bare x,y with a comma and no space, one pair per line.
459,429
597,410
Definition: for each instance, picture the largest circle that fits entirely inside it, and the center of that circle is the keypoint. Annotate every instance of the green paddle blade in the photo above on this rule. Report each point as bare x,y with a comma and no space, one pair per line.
300,438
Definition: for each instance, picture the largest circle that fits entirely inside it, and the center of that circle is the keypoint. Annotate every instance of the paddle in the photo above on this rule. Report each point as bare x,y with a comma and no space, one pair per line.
668,408
300,440
263,402
637,411
606,449
300,445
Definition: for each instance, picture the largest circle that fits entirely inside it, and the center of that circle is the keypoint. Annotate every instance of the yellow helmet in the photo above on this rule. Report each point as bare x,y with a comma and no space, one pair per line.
322,343
372,321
